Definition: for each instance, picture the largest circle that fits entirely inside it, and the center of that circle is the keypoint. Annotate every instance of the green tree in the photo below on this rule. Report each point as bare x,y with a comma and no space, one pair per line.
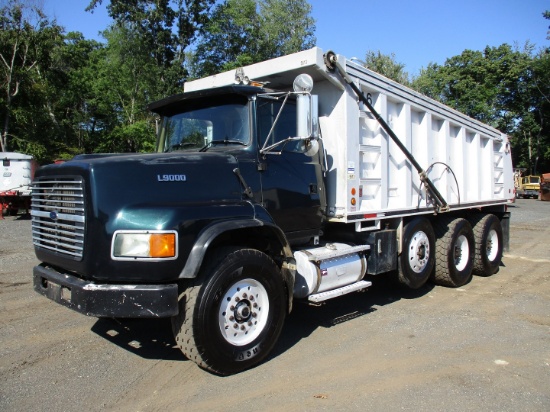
481,84
165,28
388,66
286,27
242,32
28,43
17,57
80,101
229,39
126,79
504,87
144,60
531,139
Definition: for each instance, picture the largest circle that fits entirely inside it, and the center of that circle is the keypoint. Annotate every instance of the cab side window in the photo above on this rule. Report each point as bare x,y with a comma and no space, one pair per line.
285,127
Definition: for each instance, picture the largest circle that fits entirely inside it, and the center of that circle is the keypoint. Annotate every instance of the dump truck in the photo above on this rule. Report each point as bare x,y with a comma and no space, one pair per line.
15,186
295,180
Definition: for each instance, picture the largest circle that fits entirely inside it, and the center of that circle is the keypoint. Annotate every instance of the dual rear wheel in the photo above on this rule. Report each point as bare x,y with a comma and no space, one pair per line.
454,252
488,244
449,251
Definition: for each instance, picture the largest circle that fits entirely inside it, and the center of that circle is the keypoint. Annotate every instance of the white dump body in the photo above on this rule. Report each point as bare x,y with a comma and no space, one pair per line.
17,173
468,161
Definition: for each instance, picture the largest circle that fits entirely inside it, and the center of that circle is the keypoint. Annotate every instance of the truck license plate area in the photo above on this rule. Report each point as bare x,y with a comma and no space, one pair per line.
54,290
65,294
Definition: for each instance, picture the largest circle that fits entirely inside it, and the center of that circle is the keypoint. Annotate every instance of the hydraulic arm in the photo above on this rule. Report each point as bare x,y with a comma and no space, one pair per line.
440,204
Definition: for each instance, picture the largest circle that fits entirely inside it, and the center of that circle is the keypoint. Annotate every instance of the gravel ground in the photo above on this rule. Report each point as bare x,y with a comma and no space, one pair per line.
482,347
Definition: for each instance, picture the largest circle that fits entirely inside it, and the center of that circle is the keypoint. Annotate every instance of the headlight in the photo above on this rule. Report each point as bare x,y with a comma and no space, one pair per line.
144,245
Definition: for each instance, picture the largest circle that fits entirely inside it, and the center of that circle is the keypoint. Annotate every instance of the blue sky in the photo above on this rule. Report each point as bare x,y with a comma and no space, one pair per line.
416,31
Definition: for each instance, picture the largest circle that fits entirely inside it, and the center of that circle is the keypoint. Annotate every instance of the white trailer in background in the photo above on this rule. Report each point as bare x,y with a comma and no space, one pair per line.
15,182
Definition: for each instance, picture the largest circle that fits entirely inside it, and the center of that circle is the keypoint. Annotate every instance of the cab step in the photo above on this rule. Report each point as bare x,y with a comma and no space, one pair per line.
344,290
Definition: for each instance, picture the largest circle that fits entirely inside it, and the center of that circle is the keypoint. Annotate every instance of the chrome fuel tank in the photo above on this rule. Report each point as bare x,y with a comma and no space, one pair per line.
328,267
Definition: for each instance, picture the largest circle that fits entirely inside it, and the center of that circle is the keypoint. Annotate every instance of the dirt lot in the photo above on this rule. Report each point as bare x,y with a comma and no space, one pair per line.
482,347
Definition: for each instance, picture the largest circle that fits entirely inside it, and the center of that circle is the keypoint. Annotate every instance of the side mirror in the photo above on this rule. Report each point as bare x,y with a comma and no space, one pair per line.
307,112
307,122
307,116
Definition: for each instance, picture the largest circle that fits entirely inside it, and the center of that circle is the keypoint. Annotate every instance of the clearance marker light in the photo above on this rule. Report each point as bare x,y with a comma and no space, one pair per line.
353,192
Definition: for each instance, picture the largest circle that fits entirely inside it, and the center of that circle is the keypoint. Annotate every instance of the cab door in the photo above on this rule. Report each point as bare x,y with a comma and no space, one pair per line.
292,188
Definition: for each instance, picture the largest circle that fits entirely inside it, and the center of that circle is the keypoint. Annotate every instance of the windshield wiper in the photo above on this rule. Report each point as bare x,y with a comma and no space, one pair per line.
225,141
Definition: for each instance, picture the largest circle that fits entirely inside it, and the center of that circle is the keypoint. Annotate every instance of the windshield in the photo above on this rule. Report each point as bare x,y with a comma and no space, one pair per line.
200,127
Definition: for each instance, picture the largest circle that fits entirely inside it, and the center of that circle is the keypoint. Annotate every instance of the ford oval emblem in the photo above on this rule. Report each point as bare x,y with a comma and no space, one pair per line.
53,215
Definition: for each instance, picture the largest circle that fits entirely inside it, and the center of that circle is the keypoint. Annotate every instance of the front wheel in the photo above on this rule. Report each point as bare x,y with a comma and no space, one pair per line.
231,316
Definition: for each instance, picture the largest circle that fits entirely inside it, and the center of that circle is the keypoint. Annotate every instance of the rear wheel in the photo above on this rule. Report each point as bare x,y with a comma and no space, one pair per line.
488,244
416,260
231,316
454,247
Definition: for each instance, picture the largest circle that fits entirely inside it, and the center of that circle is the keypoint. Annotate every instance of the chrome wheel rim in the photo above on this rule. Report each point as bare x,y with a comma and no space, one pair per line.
419,252
243,312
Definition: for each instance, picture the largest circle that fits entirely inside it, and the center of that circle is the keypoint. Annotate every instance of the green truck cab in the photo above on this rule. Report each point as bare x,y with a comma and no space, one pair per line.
125,235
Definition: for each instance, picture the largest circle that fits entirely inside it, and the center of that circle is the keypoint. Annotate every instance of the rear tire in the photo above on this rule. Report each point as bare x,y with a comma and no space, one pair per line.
232,314
454,247
416,261
488,244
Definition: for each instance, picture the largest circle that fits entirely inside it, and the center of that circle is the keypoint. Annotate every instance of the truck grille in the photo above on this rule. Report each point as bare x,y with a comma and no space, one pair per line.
59,215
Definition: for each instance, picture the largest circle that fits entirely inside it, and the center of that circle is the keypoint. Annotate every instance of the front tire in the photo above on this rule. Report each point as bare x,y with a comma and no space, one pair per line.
231,316
454,252
416,261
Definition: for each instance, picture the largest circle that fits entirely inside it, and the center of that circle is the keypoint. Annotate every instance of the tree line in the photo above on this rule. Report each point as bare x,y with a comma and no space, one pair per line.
62,94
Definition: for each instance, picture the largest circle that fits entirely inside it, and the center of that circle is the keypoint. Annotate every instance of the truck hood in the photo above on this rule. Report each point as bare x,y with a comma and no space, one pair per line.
163,191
